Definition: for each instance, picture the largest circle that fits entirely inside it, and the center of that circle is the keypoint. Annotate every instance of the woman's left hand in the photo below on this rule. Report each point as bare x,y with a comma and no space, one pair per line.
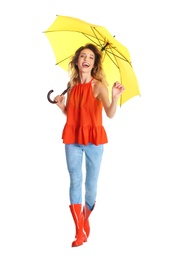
117,89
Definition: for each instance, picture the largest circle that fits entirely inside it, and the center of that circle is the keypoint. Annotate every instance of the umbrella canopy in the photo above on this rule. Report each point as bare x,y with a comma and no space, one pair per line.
66,34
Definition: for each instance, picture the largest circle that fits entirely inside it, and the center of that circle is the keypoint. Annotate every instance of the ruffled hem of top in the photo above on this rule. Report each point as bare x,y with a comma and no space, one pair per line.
84,135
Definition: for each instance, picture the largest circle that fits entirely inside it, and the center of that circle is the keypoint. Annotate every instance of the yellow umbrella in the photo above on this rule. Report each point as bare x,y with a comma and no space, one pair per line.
66,34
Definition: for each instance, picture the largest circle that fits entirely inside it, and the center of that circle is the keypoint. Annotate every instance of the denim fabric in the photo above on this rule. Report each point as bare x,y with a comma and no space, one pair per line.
74,159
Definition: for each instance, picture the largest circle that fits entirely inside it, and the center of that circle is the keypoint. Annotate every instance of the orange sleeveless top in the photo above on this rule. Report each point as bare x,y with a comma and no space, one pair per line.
84,117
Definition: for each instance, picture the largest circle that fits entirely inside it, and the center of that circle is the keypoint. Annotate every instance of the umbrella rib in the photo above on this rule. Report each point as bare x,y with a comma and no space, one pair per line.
64,59
111,59
103,39
115,55
86,35
120,73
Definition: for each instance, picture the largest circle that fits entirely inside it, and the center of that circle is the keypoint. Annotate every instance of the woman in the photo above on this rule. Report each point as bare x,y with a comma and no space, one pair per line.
83,132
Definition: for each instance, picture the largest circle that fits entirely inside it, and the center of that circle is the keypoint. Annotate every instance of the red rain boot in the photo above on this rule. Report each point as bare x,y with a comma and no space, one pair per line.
76,210
86,213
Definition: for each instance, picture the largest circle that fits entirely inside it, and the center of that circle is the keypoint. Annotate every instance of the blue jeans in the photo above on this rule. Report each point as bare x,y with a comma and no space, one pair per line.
74,159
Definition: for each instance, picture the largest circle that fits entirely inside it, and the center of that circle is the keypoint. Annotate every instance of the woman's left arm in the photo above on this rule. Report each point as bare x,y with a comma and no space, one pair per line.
110,107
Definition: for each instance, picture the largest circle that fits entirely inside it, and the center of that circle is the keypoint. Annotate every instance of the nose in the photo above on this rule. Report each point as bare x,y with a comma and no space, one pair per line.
85,57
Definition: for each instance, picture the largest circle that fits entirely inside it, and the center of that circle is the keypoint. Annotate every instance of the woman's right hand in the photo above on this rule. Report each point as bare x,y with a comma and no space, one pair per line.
60,101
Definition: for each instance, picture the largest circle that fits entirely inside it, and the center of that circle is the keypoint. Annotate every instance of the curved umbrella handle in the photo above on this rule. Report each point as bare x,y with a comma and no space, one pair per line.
49,99
63,93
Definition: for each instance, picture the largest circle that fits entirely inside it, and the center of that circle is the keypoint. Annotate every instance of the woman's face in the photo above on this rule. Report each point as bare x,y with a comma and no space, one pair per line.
86,60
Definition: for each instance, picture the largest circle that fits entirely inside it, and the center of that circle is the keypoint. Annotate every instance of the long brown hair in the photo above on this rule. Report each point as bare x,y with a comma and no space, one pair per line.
97,72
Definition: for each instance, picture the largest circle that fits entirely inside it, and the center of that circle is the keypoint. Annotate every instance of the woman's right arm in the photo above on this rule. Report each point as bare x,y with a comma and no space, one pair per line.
60,102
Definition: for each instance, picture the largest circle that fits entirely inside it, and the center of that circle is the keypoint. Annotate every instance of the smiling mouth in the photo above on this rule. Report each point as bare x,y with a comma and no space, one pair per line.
86,65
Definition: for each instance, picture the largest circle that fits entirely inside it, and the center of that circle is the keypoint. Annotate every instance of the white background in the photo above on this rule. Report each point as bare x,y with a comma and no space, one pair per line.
135,214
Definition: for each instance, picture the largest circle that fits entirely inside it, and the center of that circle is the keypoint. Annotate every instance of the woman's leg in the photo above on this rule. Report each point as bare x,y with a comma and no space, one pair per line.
93,157
74,155
74,158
